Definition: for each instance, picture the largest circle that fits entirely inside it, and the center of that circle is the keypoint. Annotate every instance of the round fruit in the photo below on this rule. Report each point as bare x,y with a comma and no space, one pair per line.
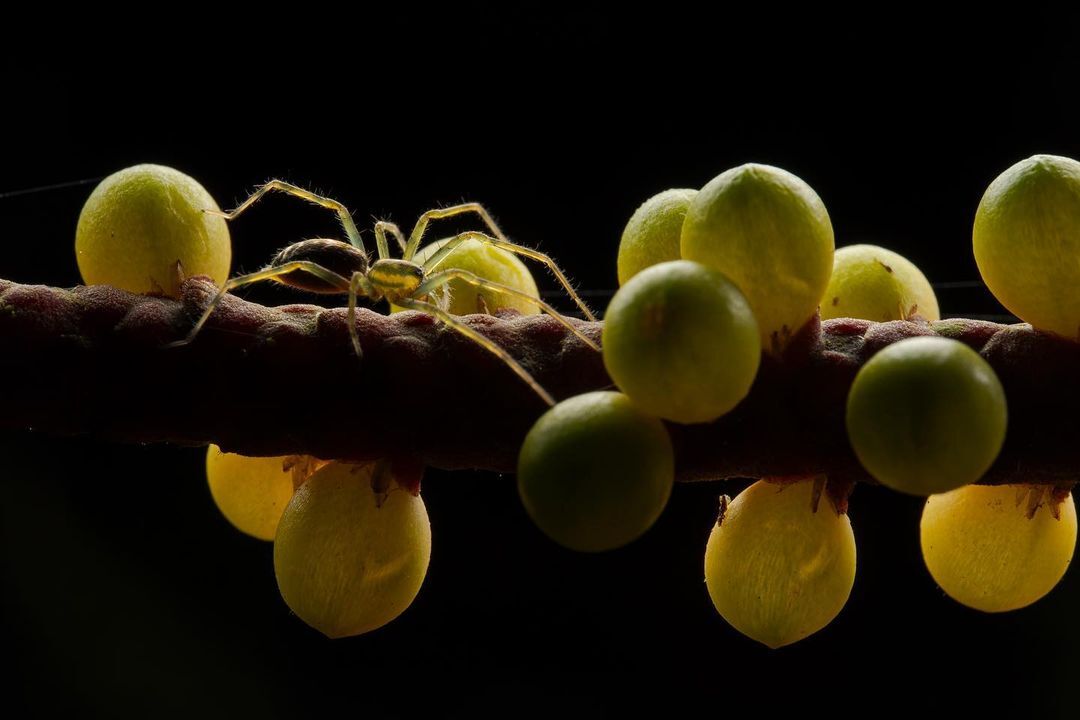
985,552
143,229
1027,241
680,340
776,569
926,415
768,231
490,263
345,563
873,283
595,472
652,235
251,492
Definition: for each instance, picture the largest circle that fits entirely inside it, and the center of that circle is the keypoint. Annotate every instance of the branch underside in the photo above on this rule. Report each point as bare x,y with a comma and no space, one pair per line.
285,380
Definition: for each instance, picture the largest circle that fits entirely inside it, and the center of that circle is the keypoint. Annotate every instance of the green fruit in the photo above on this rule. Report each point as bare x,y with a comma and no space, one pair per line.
143,229
680,340
776,569
595,472
926,415
985,552
768,231
251,492
349,559
1027,242
873,283
490,263
653,233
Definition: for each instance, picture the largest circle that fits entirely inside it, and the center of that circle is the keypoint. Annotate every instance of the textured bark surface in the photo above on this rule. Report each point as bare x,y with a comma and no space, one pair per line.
275,381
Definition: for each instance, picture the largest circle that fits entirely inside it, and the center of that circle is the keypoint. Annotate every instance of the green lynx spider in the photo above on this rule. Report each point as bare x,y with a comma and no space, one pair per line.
331,266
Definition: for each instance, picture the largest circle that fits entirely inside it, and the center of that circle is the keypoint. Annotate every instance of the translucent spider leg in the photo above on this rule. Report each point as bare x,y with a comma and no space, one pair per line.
288,188
441,278
456,324
357,284
381,228
439,213
453,242
328,276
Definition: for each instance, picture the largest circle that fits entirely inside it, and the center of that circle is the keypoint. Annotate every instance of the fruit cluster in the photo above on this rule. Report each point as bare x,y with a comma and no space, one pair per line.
711,281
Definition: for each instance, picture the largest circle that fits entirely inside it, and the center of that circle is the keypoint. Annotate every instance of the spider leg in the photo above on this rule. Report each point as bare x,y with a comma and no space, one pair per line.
328,276
453,242
439,213
281,186
456,324
446,276
358,284
381,228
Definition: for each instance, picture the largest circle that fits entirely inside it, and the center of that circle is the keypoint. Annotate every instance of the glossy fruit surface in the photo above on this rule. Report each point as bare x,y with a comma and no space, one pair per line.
873,283
1027,240
985,552
594,472
653,233
345,563
775,569
926,415
680,339
143,229
768,232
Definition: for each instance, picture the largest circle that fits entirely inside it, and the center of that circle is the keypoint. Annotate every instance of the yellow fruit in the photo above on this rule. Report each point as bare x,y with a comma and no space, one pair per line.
873,283
345,563
985,552
769,232
251,492
140,222
1027,242
490,263
776,570
652,234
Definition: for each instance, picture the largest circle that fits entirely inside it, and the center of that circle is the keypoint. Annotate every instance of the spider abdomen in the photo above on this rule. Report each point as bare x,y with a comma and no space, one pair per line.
334,255
396,278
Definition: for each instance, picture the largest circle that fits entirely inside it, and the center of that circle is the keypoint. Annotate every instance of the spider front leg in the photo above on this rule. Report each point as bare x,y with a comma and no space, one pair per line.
439,213
446,276
453,242
381,228
489,345
281,186
328,276
358,284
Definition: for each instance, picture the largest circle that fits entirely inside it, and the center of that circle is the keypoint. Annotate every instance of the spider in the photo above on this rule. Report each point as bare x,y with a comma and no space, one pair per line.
331,266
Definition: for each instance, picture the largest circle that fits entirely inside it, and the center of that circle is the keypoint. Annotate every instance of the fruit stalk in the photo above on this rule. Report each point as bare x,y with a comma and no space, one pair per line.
278,381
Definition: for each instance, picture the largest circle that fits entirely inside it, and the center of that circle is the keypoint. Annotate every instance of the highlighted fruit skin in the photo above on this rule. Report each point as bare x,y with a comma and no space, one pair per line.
926,415
983,550
681,341
653,233
344,564
873,283
490,263
251,492
776,570
140,222
769,232
594,472
1027,240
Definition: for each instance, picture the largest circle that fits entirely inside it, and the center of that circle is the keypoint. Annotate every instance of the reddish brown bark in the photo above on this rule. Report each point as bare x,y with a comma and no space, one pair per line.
284,380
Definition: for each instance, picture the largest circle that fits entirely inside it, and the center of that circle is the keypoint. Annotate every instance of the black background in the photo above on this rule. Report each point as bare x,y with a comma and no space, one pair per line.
124,592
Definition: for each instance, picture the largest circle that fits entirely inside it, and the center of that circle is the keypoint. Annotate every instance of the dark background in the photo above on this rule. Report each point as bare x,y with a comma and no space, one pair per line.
125,593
